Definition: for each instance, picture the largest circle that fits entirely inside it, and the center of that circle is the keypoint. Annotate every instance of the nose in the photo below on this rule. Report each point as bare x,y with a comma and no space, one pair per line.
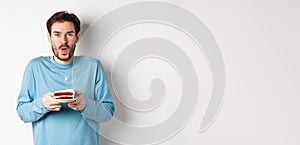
64,39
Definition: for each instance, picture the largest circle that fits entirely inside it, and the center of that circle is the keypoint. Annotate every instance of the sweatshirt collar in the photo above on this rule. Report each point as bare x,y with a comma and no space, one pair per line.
59,65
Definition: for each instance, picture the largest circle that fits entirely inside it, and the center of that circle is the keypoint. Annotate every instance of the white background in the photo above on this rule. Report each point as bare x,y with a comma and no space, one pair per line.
259,40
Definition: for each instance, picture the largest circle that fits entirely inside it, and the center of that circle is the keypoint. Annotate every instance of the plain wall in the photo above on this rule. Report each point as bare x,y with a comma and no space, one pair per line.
259,42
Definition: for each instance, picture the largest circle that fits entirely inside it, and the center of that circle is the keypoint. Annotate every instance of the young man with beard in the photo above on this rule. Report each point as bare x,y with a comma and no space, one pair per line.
65,123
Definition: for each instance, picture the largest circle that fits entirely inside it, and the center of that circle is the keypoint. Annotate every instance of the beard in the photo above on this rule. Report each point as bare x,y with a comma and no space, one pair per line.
71,53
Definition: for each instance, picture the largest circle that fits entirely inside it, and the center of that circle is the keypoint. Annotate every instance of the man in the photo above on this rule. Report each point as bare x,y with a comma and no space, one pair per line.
65,123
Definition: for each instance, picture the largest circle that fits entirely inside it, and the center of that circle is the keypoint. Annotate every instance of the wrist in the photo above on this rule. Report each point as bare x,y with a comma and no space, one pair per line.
82,108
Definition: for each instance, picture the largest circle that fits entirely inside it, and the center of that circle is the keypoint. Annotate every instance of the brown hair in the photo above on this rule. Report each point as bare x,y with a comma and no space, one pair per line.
63,16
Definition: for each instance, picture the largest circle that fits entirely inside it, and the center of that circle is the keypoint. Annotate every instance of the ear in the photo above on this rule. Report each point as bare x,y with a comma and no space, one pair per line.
78,36
49,37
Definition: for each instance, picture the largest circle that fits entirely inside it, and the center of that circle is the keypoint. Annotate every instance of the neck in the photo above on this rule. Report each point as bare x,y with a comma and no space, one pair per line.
63,62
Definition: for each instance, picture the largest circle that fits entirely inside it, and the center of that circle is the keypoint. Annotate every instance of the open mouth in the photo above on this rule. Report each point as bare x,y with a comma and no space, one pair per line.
64,50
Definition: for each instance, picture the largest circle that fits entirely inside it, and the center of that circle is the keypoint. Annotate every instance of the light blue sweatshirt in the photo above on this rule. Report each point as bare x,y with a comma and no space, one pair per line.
66,127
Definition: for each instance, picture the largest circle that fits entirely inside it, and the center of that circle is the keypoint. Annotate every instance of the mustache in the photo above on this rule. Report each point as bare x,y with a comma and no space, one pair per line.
66,45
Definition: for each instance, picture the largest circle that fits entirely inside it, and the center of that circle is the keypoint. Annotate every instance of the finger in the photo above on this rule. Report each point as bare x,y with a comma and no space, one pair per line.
56,109
50,94
73,107
78,93
54,106
72,103
54,101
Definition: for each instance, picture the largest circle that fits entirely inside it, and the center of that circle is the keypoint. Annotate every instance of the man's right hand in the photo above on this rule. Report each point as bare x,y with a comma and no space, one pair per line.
50,103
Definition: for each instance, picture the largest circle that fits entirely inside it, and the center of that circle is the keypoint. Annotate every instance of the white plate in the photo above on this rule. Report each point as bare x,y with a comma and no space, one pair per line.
66,100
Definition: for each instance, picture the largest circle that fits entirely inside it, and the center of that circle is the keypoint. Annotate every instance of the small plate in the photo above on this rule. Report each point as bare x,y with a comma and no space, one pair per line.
66,100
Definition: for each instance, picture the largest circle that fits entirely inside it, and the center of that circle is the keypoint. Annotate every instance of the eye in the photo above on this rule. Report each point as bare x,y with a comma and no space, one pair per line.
56,34
70,34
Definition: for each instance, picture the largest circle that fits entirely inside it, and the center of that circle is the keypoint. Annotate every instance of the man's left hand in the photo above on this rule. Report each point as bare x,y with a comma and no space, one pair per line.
80,103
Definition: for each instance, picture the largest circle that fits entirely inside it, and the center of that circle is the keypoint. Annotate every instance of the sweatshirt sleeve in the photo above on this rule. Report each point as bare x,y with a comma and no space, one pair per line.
101,108
29,106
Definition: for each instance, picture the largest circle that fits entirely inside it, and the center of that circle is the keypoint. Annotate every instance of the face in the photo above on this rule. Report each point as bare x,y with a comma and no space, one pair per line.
63,41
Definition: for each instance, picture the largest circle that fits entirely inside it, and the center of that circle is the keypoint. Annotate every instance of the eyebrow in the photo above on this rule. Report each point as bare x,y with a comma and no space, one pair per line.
60,32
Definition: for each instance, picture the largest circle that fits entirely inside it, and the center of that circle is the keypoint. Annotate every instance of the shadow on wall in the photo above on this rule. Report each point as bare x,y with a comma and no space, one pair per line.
121,42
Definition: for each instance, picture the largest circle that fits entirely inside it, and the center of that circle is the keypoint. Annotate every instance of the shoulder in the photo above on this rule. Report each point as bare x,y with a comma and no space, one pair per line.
89,63
36,63
39,60
88,60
